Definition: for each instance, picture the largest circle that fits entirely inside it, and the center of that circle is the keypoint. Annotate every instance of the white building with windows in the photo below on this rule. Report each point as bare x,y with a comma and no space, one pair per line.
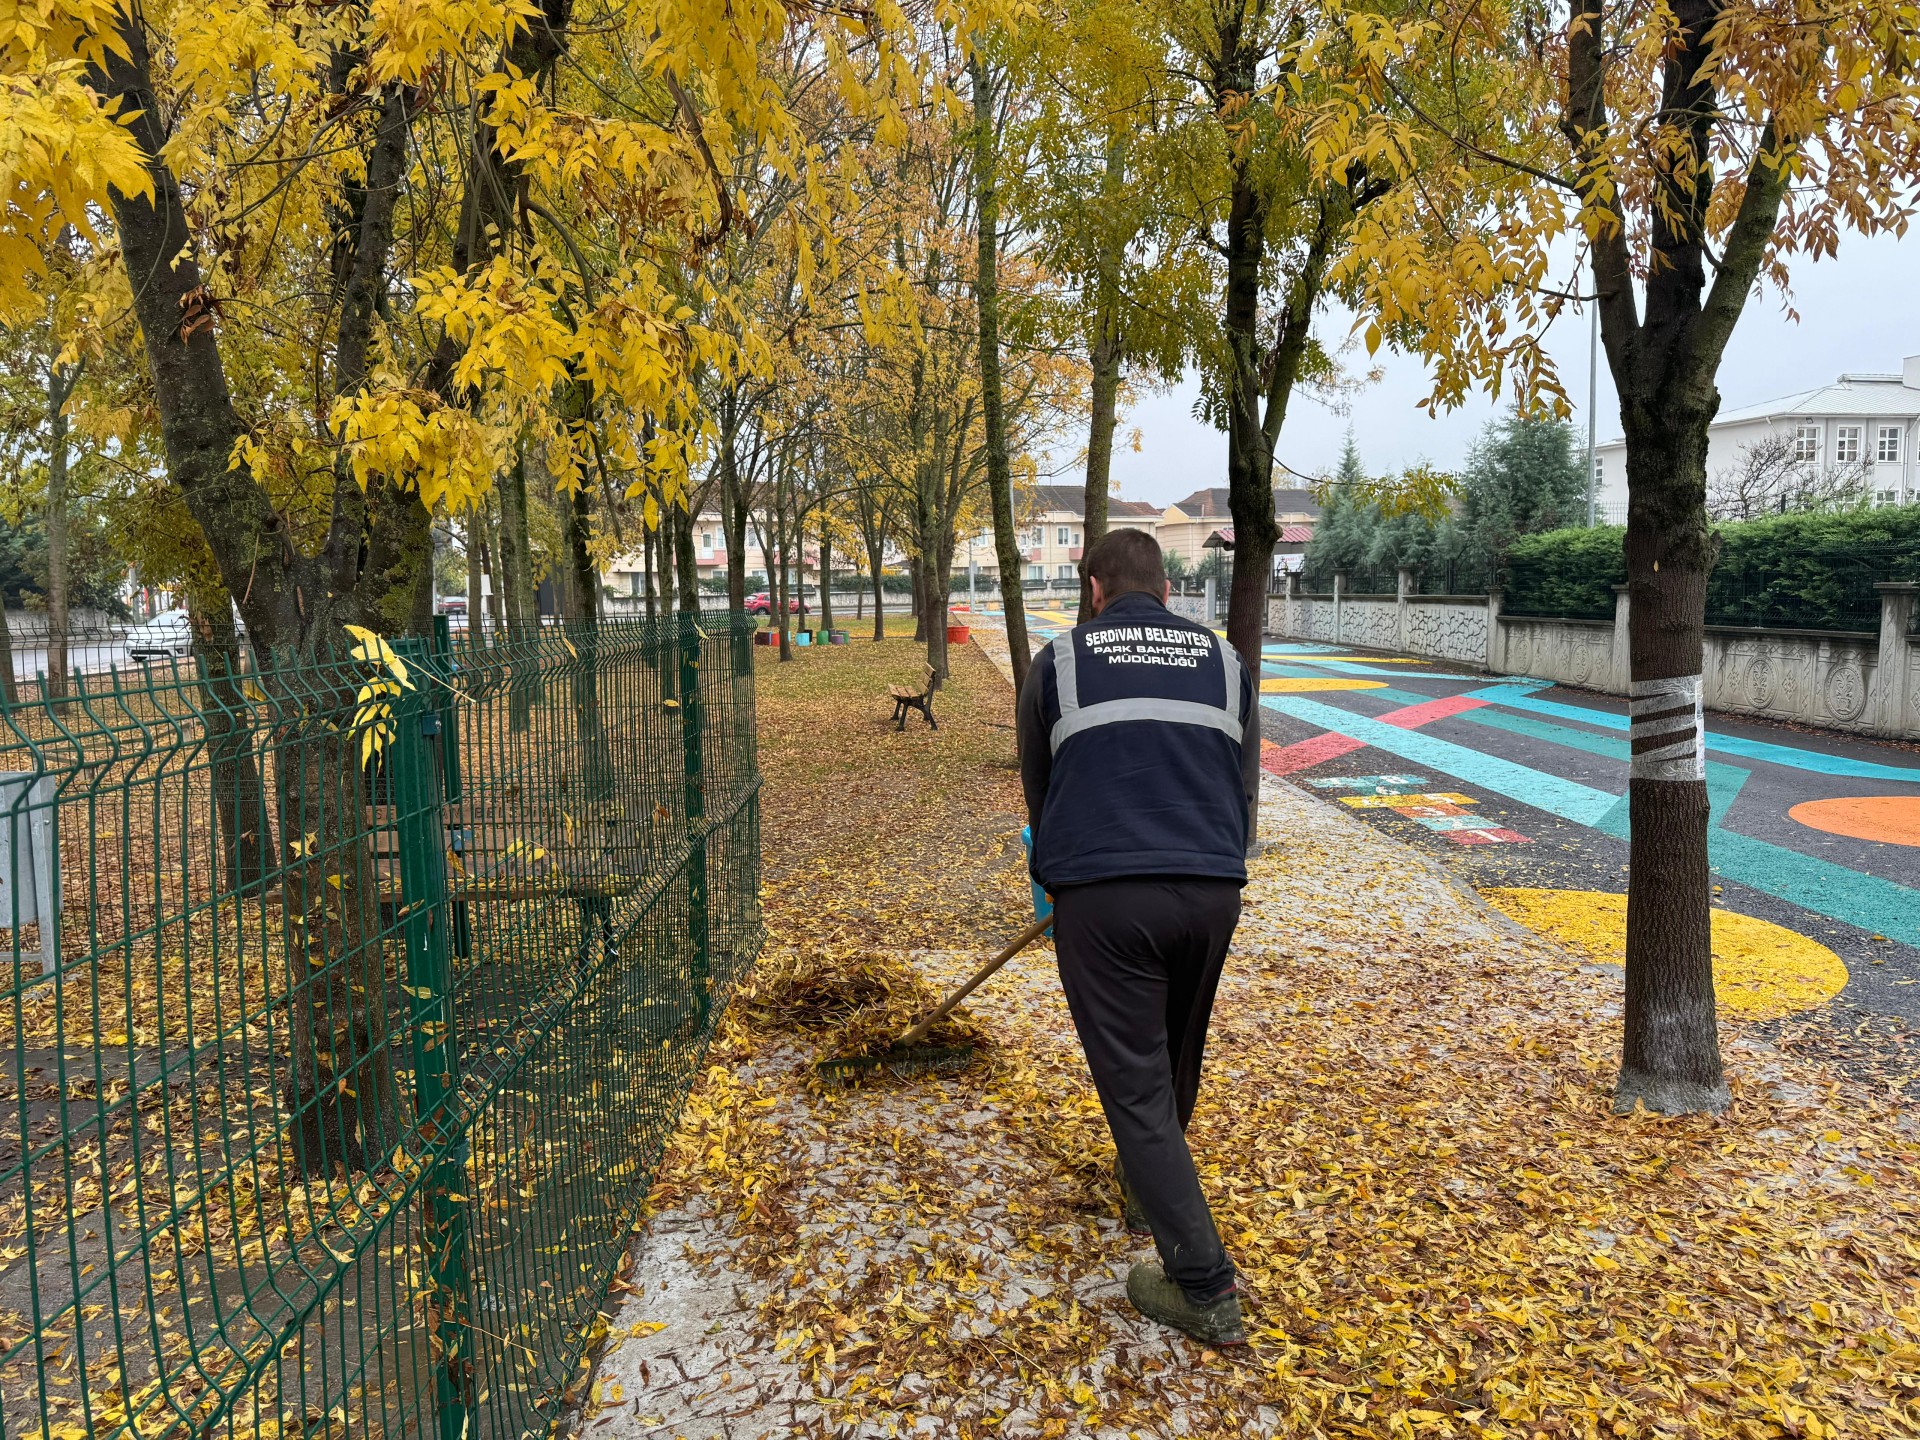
1859,418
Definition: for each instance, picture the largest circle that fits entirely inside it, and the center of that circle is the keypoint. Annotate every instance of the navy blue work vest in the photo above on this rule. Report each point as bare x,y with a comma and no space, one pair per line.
1145,714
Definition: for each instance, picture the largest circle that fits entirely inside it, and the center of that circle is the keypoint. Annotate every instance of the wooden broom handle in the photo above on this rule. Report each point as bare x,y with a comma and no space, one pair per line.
1014,946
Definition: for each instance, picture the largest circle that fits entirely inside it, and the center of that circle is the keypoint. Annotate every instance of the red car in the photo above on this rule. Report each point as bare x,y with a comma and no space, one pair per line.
761,603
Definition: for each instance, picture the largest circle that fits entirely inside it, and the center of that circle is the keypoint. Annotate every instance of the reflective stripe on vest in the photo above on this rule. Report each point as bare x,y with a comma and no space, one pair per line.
1074,717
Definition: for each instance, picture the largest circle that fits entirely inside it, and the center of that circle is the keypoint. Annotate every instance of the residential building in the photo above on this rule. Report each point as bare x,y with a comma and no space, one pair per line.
625,575
1052,522
1872,420
1052,527
1187,525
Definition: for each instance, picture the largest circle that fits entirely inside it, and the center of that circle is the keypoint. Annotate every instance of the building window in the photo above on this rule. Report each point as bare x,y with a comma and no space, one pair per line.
1066,572
1038,537
1806,444
1886,497
1036,572
1060,535
1076,537
1846,445
706,542
1888,451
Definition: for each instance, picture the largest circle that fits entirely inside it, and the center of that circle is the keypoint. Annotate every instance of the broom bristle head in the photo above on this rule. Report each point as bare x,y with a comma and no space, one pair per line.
901,1061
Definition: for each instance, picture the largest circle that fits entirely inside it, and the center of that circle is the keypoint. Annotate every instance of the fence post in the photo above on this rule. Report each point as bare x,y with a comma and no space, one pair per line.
1339,592
420,824
1622,640
1403,581
458,833
1891,715
692,726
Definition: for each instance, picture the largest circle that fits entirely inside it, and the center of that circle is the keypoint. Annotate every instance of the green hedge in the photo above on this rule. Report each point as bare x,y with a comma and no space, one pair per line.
1795,572
1565,572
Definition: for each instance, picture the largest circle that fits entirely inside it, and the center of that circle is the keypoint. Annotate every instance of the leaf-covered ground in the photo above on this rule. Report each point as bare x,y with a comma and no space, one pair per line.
1405,1131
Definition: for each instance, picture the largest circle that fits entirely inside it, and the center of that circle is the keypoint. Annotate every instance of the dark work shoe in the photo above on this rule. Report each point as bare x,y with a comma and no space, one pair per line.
1136,1218
1158,1298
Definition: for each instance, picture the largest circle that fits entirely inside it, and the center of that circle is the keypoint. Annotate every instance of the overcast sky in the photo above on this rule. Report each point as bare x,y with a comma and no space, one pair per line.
1860,312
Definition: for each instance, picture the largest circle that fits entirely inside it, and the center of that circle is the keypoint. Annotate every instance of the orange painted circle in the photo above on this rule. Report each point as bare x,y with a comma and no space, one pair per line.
1893,819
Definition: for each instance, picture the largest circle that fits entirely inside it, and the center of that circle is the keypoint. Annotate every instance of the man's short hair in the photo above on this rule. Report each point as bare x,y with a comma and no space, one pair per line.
1127,560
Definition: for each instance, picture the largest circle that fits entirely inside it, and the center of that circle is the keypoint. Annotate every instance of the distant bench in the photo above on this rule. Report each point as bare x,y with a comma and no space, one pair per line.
921,700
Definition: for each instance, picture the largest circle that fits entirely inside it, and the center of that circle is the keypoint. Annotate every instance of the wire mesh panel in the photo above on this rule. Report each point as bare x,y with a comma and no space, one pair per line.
352,1005
1807,587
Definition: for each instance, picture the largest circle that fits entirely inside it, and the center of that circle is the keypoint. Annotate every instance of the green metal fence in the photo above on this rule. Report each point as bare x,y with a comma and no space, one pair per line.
352,1005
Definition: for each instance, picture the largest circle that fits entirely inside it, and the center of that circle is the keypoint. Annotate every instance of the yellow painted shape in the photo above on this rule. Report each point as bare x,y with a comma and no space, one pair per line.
1760,970
1393,802
1314,684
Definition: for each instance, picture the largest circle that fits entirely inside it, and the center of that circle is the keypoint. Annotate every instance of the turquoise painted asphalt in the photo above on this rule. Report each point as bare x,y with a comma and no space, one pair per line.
1520,697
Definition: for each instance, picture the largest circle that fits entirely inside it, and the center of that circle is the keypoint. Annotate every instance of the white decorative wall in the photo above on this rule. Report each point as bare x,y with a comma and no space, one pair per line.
1870,686
1568,652
1447,629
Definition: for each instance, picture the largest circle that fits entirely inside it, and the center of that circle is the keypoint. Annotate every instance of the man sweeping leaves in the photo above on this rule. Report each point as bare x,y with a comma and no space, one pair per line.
1139,754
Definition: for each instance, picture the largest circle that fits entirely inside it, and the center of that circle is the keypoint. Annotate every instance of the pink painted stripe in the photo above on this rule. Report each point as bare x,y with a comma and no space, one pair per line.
1304,754
1414,716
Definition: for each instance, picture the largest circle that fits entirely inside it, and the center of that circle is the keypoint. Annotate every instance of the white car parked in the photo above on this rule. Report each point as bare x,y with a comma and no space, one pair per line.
167,636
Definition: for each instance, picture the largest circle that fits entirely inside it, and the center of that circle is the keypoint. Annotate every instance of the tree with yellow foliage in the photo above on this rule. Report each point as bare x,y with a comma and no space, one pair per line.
1682,154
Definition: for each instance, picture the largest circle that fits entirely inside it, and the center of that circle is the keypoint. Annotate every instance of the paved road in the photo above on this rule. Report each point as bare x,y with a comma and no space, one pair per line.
30,657
1520,787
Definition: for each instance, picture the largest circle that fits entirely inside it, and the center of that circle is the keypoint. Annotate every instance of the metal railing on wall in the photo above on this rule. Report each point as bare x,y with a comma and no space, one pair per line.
353,1002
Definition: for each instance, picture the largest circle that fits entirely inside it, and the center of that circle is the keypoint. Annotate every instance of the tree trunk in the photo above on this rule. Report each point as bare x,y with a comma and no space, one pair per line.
916,592
733,509
1105,355
516,566
933,609
1663,369
689,576
374,565
1670,1060
242,821
9,686
60,383
496,570
664,552
875,567
648,543
476,569
826,578
986,291
782,596
664,545
1249,449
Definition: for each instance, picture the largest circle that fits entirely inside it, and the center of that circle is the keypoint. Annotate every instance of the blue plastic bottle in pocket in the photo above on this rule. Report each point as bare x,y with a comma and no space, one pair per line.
1042,902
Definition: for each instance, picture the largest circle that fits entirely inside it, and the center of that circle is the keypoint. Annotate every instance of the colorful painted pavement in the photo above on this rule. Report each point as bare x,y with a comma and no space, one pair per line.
1521,788
1815,840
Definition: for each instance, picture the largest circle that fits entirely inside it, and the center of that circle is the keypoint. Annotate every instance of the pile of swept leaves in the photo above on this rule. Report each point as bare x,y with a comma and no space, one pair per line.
1405,1132
850,1003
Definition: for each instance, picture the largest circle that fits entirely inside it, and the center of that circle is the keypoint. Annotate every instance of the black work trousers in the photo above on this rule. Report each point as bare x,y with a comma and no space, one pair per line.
1140,960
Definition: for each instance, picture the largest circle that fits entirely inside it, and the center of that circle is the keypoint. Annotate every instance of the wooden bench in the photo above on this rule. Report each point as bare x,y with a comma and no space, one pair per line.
922,700
493,859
